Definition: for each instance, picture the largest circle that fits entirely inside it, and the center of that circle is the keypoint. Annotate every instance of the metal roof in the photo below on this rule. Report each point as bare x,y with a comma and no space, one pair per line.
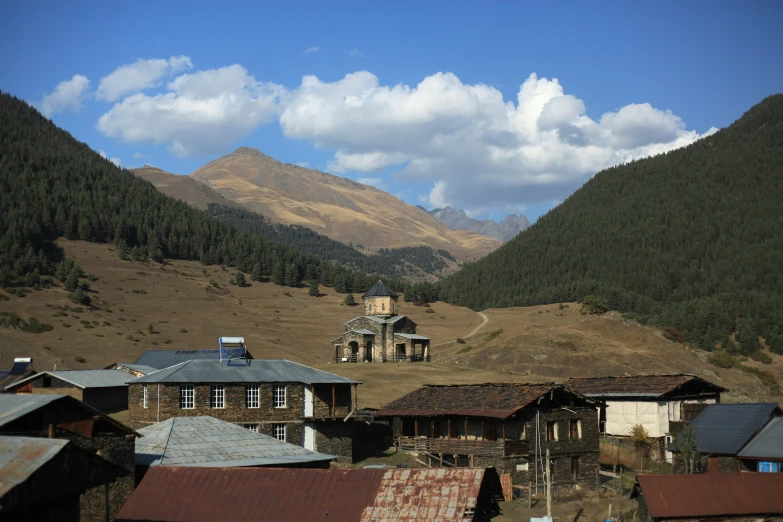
165,358
22,366
725,428
209,442
412,336
229,494
20,457
141,368
259,370
768,444
712,494
14,406
378,319
84,378
380,289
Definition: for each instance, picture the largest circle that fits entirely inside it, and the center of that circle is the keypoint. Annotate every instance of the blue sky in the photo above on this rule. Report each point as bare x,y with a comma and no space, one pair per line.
436,102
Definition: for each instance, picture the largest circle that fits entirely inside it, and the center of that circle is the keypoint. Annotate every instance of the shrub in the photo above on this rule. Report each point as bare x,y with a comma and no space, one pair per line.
465,350
349,300
594,305
214,283
151,328
183,331
673,334
761,357
139,291
460,340
80,359
722,359
429,311
33,326
493,334
79,296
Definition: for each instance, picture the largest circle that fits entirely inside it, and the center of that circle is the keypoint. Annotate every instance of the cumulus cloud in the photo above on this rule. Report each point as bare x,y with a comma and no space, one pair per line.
478,150
116,161
67,95
310,50
139,75
201,113
139,155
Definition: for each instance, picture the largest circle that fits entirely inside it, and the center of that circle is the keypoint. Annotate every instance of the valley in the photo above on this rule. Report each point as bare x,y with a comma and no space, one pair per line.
186,311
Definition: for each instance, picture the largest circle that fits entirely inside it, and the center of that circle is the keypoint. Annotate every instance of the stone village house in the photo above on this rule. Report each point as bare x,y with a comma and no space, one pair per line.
380,334
505,426
662,404
279,398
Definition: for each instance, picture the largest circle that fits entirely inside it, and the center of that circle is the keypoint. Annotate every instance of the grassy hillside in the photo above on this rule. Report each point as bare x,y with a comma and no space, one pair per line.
54,186
689,239
186,311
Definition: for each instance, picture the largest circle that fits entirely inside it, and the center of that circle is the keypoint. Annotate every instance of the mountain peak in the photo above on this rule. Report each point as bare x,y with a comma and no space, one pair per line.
457,219
249,151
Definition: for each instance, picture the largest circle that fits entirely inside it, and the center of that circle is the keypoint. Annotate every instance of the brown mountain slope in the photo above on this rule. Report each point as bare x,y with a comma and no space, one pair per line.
182,187
534,344
336,207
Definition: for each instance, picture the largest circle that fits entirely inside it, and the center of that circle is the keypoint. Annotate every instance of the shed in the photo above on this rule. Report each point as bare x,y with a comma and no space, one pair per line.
105,390
43,479
764,452
189,493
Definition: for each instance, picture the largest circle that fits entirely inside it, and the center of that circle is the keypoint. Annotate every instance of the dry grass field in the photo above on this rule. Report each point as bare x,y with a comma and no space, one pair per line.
185,311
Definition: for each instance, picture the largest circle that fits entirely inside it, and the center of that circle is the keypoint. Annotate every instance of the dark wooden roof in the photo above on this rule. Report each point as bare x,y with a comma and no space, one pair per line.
380,289
638,385
497,400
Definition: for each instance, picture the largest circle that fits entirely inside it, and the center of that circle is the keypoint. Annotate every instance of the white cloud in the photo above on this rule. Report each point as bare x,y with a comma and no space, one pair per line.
479,150
303,164
67,95
139,75
201,113
139,155
373,182
354,53
116,161
310,50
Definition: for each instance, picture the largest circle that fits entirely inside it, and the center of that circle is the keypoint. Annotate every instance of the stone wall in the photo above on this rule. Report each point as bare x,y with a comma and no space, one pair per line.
120,450
335,438
322,400
381,305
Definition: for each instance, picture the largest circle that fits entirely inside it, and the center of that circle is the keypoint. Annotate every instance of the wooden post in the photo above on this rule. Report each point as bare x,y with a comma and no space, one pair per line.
448,428
415,427
106,500
51,431
610,512
529,494
483,428
548,485
333,401
466,428
621,481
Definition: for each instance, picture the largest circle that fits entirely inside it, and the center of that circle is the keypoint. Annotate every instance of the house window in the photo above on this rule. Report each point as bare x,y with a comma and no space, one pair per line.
524,466
144,395
770,466
576,432
46,381
575,466
251,427
279,431
551,431
187,397
251,396
279,396
217,396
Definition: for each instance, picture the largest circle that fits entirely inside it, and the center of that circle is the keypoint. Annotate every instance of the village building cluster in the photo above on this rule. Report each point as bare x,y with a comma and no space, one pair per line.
275,436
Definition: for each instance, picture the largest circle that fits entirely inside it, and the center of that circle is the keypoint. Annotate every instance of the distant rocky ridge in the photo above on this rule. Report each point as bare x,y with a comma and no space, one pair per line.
503,231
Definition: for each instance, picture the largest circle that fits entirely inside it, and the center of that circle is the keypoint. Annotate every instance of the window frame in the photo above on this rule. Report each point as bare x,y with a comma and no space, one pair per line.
251,426
575,427
184,391
277,430
551,431
144,398
252,396
217,391
276,402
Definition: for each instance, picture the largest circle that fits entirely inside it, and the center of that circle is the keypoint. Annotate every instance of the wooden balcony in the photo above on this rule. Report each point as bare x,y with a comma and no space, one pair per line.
482,448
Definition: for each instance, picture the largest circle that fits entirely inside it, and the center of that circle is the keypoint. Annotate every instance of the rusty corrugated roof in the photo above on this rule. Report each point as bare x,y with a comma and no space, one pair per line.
408,495
648,385
494,400
229,494
712,494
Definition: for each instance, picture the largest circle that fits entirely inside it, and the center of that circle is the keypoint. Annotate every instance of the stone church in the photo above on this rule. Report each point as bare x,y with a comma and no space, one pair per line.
380,334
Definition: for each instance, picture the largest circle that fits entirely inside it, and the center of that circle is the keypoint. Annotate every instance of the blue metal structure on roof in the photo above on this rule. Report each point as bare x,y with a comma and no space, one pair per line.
228,350
257,371
160,359
723,429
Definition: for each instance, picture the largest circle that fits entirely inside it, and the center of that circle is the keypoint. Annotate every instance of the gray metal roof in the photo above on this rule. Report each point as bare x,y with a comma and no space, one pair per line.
378,319
209,442
165,358
20,457
259,370
380,289
360,331
725,428
14,406
85,378
768,444
412,336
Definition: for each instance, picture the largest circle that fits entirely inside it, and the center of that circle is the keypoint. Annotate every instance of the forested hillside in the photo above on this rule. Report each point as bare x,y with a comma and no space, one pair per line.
691,239
393,262
53,186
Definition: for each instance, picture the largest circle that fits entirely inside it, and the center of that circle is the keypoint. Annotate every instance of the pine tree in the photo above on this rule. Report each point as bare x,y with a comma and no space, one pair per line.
72,281
314,290
349,300
278,274
240,279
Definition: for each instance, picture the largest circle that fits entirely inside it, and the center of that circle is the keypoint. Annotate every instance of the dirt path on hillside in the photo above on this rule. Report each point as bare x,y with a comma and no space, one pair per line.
484,321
